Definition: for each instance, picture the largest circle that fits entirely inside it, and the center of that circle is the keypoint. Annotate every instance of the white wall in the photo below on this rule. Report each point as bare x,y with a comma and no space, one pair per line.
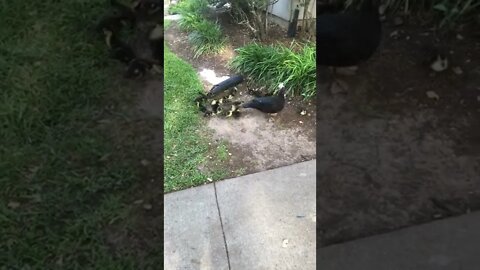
284,9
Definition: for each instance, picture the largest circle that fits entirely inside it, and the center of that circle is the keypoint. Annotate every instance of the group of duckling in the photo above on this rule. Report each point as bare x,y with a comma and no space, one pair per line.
220,101
144,51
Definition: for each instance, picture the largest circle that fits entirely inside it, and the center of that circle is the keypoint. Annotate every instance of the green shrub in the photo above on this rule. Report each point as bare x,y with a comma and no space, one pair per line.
199,7
271,65
207,38
190,21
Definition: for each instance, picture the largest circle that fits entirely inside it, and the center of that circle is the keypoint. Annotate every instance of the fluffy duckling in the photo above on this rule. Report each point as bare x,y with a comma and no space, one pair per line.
228,109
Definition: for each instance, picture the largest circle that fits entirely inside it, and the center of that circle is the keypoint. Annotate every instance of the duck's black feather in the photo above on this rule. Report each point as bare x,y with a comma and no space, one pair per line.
346,39
268,104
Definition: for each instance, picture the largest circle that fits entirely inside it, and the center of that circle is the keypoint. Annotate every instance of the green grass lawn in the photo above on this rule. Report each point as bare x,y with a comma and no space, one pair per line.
186,147
68,167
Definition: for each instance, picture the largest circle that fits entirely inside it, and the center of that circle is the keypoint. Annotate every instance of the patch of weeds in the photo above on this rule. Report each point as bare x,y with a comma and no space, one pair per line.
272,65
222,152
166,24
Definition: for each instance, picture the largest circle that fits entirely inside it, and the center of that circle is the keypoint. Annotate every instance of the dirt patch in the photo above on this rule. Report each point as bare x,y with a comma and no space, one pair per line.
256,141
389,156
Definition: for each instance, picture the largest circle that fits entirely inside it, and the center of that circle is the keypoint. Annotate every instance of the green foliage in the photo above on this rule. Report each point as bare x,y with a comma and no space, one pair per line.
207,38
271,65
453,12
190,21
189,6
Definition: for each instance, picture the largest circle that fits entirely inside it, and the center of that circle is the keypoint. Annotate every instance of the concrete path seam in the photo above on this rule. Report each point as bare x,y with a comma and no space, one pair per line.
221,224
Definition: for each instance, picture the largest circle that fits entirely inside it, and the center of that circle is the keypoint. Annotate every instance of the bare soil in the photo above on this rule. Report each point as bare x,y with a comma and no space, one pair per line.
388,155
256,141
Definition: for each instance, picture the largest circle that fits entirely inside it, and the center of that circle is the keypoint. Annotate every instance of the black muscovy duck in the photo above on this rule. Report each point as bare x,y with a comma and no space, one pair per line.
268,104
348,38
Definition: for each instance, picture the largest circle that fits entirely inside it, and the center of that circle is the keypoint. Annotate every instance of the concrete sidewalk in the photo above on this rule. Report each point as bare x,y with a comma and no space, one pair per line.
449,244
260,221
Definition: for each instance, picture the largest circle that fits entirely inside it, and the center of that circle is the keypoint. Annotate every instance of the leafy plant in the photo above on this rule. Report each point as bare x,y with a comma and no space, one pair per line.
453,12
190,21
190,7
207,38
271,65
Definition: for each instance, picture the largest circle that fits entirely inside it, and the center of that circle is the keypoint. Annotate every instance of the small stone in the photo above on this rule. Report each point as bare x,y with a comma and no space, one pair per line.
13,205
229,154
381,9
145,162
457,70
301,122
147,206
395,34
407,37
397,21
285,243
209,179
432,94
460,37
